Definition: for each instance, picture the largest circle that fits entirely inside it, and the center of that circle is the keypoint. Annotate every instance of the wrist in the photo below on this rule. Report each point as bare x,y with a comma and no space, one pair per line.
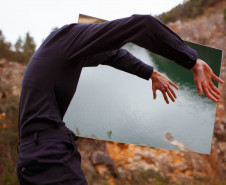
154,73
197,65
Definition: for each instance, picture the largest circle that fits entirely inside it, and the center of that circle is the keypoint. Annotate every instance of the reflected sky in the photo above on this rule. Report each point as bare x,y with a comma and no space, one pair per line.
120,107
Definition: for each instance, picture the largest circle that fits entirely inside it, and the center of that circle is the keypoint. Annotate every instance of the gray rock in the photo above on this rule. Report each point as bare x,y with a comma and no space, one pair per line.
100,157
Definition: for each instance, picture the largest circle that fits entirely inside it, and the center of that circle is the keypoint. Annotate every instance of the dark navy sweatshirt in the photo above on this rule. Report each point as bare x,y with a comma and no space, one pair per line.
52,74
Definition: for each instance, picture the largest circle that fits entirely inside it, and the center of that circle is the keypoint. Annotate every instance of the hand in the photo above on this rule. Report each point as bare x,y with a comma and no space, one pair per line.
162,83
202,77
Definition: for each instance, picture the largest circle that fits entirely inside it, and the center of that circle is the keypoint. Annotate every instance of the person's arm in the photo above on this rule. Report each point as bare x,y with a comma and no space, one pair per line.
82,40
123,60
143,30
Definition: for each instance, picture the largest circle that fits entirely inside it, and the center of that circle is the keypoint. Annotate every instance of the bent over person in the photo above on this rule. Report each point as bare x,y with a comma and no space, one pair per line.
47,153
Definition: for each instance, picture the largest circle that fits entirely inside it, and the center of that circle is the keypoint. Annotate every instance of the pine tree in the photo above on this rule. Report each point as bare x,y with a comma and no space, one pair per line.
29,46
55,28
19,45
4,46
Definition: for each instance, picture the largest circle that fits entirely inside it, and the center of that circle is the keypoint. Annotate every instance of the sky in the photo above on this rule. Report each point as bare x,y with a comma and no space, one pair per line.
39,17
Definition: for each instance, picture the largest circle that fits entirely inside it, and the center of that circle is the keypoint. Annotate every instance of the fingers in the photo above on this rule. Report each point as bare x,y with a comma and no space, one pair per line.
172,92
174,85
207,92
214,88
199,87
154,94
210,90
170,95
168,91
165,97
165,92
210,95
162,83
217,96
217,78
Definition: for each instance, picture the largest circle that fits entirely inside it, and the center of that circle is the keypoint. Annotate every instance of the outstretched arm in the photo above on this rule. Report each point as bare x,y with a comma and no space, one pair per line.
82,40
144,30
123,60
86,40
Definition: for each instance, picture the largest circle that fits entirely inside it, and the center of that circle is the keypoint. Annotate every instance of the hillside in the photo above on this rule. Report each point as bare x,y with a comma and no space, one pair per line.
191,9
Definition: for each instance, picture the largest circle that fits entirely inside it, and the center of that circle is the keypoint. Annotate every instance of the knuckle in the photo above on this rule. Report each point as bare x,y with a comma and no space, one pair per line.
162,88
204,84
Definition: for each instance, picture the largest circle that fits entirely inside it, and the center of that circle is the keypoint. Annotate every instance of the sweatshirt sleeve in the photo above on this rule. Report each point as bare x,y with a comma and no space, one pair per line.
82,40
123,60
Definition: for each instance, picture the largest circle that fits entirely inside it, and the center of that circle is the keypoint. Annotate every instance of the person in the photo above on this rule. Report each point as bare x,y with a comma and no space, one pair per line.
47,152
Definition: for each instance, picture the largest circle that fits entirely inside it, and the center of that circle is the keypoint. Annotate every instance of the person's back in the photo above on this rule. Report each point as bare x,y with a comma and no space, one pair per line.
46,145
48,86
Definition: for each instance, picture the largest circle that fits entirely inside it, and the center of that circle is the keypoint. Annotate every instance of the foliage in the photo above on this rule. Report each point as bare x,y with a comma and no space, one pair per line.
55,28
189,9
92,176
23,49
28,46
19,45
4,46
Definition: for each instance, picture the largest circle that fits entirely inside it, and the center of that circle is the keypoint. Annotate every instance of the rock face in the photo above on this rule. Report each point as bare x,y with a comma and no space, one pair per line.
211,31
11,74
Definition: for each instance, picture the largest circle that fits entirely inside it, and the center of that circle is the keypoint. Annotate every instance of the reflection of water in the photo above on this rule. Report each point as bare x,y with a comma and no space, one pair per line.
122,104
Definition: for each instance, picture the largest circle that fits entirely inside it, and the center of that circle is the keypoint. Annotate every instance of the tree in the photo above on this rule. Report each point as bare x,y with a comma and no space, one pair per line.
4,46
188,9
18,45
55,28
29,46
